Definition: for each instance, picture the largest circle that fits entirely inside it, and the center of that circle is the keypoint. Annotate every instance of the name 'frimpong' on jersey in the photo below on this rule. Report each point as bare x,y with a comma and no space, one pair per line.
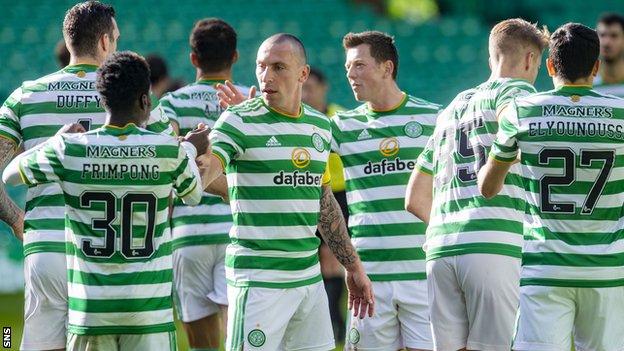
116,183
379,151
32,114
462,221
210,222
571,141
275,166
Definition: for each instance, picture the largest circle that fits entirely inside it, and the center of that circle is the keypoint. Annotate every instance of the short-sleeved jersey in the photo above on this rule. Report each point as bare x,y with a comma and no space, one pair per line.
462,221
275,165
571,141
616,89
36,111
379,150
210,222
116,183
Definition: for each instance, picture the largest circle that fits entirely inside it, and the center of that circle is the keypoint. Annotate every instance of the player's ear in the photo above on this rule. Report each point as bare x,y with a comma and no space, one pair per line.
305,73
596,68
550,67
528,60
145,102
235,57
388,68
193,58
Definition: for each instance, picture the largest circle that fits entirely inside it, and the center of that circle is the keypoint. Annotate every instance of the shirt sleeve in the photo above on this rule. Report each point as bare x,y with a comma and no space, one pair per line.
44,165
186,178
335,137
511,91
10,128
505,148
158,122
167,108
226,139
424,163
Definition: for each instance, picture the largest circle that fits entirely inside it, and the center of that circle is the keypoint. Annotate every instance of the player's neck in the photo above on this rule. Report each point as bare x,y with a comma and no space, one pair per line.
221,75
581,82
507,71
84,60
612,72
387,99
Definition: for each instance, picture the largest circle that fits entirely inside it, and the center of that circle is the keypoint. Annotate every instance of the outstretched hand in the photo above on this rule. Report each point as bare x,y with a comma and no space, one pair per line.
229,95
360,289
71,128
199,138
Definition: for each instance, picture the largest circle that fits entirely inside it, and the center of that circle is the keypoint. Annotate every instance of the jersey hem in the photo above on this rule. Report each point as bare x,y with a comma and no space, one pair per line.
121,329
274,285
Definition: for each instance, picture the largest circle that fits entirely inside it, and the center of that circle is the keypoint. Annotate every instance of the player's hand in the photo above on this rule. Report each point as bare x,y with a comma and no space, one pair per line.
360,289
71,128
230,96
199,138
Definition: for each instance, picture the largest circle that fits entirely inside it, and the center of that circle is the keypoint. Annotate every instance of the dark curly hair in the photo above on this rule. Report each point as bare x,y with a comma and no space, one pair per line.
121,80
85,23
214,43
574,50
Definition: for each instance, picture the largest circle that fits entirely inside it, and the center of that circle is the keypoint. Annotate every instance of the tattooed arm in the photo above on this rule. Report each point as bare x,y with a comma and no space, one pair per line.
10,213
333,229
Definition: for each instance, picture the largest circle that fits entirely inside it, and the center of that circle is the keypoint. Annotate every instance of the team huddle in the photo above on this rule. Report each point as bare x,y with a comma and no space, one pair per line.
493,223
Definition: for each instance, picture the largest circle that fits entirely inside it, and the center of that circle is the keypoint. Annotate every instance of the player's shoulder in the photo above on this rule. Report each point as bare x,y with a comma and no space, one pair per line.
356,113
420,103
310,111
250,107
51,81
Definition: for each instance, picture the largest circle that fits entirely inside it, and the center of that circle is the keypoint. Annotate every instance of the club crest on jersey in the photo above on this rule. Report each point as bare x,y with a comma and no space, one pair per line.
81,74
389,147
354,336
318,142
256,338
300,157
413,129
575,98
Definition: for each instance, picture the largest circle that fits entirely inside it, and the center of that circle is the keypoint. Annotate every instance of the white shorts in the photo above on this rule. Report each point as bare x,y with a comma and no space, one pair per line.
401,319
45,301
294,319
199,281
132,342
473,301
550,315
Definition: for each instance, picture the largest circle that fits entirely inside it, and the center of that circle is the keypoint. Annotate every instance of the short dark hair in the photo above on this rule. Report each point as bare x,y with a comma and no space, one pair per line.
121,80
612,18
85,23
213,41
382,46
286,37
158,68
315,72
574,49
61,53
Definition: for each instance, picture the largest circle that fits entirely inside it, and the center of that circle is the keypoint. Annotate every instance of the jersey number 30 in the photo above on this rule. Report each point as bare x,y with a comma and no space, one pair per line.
129,248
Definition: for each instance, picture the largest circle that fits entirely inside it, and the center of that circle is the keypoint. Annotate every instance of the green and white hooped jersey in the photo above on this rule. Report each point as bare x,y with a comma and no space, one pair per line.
616,89
275,165
379,151
35,112
116,183
210,222
462,221
571,141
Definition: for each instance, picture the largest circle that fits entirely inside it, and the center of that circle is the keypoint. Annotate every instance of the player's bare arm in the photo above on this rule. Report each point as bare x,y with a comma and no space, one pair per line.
333,229
419,195
492,177
219,187
10,213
